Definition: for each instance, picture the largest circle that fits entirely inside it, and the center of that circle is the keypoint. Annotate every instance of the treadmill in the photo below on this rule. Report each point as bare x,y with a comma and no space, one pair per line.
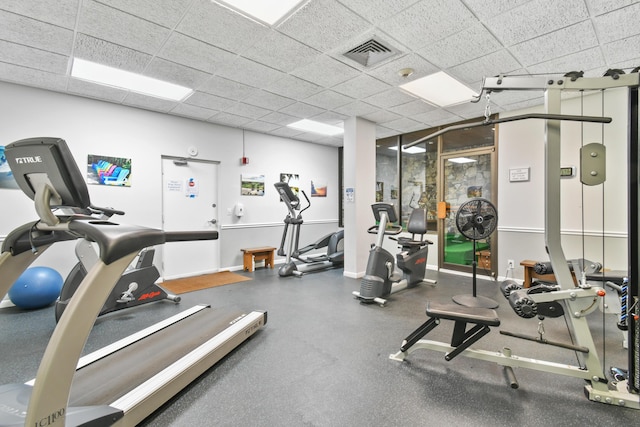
125,382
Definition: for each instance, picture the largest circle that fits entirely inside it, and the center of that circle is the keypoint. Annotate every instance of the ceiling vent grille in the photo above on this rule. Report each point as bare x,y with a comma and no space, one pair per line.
370,53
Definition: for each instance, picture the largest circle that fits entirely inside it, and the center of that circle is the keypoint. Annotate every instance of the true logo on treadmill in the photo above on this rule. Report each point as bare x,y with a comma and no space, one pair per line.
421,261
24,160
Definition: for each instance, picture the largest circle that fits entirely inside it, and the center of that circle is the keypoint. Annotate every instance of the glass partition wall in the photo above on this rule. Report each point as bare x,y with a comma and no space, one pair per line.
447,170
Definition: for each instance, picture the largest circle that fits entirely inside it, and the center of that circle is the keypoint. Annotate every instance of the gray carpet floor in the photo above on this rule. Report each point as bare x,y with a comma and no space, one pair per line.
323,360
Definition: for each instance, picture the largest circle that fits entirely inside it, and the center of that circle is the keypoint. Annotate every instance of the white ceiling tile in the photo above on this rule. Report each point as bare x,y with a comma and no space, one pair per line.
470,43
584,60
113,55
156,104
535,18
622,50
286,132
293,87
260,126
279,118
556,44
389,98
470,110
268,100
390,72
246,110
331,118
93,90
361,87
428,21
110,24
164,12
192,111
356,109
381,116
484,9
436,118
599,7
491,65
226,88
22,30
280,52
194,53
302,110
251,73
326,71
33,58
338,24
377,11
411,108
384,132
328,100
176,73
229,119
404,125
618,24
61,12
30,77
219,26
209,101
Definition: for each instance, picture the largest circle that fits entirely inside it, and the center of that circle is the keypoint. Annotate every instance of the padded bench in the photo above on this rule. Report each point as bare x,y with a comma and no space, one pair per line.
251,255
480,318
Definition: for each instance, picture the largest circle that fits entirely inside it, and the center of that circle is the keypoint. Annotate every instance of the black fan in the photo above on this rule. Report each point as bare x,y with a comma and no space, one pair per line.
476,219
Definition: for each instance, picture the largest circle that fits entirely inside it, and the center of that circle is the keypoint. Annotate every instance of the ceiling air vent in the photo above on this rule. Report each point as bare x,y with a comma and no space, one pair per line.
371,53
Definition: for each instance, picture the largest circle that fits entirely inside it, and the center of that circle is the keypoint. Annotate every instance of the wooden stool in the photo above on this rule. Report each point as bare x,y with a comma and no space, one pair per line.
530,274
251,255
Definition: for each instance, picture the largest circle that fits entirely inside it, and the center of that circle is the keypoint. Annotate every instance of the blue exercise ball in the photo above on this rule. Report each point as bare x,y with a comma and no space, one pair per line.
37,287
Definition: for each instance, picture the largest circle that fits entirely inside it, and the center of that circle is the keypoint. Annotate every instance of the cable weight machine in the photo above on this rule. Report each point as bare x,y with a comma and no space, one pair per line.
625,392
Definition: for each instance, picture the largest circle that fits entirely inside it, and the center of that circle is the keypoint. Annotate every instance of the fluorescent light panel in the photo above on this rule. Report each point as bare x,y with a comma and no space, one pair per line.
410,150
110,76
316,127
461,160
267,11
439,89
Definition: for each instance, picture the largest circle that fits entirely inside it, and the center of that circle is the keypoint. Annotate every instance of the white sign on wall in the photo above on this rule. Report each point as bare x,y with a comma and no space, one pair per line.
518,174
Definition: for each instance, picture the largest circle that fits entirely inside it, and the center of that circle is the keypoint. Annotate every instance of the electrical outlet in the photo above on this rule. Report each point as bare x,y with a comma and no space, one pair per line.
511,264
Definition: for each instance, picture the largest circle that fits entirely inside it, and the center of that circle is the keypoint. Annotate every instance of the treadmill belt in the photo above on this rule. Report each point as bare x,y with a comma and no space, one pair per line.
107,379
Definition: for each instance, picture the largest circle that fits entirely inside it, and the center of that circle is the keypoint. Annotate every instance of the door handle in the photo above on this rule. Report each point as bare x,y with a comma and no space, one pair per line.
213,221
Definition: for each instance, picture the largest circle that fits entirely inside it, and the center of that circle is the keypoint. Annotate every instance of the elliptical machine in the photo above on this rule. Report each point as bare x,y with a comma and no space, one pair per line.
381,279
333,258
136,286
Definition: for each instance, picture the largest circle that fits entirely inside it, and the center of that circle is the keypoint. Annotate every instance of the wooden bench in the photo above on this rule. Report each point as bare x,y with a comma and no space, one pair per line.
251,255
530,274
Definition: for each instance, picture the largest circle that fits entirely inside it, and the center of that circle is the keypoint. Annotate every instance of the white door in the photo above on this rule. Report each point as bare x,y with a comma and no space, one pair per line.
189,203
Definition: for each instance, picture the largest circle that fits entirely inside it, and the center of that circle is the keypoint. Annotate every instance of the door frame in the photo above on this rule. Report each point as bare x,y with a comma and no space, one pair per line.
217,200
442,158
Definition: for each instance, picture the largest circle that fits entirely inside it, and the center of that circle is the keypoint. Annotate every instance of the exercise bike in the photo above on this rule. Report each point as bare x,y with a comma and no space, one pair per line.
334,256
135,287
381,278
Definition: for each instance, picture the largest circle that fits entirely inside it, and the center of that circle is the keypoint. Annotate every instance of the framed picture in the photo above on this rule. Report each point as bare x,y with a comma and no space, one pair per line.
252,185
318,188
108,170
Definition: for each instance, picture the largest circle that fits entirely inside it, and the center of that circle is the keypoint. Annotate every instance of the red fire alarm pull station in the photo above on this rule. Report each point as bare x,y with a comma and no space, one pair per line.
244,161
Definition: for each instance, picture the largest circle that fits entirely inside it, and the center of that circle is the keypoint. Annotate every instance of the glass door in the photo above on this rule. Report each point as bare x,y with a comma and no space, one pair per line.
466,174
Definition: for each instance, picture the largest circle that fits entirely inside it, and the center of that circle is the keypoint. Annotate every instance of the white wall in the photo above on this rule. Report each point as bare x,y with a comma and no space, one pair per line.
521,204
95,127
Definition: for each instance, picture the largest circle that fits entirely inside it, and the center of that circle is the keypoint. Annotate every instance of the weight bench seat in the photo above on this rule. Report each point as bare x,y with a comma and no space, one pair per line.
480,318
460,313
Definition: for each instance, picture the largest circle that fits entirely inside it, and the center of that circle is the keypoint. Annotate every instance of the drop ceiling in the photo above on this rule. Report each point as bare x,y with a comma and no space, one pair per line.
261,78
